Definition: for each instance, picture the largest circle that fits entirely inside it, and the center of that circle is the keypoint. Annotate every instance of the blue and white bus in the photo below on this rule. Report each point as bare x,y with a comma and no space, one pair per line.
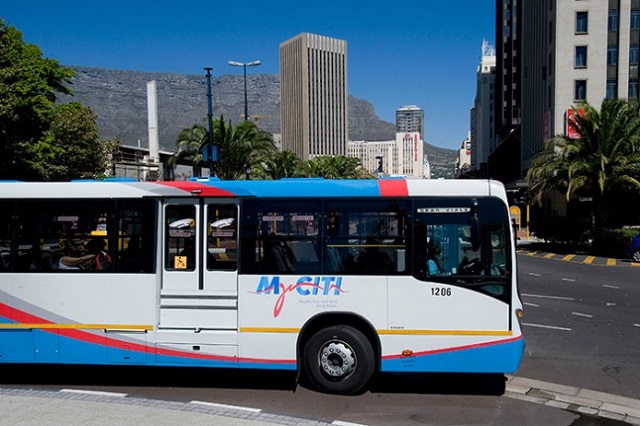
337,279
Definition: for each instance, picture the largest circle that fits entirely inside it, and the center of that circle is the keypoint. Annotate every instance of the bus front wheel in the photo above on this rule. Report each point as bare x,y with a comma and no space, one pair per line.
339,360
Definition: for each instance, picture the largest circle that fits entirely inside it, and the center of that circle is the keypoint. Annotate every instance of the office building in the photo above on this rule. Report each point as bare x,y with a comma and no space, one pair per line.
410,119
482,120
403,156
553,55
313,95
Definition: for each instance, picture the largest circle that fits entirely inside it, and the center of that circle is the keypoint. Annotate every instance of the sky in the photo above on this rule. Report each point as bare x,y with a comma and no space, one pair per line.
423,53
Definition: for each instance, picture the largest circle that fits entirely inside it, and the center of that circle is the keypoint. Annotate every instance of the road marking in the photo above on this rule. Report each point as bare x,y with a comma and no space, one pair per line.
611,304
532,253
569,257
230,407
569,279
97,393
341,423
542,296
611,262
546,326
582,315
611,286
534,274
589,260
531,304
549,255
636,325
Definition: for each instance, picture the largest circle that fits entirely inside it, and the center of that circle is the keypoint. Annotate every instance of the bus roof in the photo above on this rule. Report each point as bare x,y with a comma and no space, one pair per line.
288,188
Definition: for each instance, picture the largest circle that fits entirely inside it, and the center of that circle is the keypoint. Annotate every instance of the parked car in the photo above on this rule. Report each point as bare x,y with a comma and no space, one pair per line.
634,249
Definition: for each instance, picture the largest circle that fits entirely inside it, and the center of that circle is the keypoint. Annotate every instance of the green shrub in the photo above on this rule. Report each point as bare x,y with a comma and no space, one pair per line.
613,242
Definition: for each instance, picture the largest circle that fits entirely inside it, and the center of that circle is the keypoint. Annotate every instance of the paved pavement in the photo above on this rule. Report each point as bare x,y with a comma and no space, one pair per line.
77,407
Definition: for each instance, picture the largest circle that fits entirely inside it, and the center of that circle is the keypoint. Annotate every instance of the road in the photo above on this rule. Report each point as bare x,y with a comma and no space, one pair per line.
581,329
582,324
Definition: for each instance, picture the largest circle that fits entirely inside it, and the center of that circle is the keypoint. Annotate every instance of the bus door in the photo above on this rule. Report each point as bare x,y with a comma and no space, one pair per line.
198,289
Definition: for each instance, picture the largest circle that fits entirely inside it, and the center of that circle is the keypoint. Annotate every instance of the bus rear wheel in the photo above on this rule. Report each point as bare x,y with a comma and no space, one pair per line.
339,360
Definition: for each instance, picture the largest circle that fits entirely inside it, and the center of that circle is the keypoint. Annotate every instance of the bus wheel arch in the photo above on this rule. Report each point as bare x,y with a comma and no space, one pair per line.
338,353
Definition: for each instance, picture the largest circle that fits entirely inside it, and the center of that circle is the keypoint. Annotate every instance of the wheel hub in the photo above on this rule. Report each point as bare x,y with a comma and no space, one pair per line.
337,359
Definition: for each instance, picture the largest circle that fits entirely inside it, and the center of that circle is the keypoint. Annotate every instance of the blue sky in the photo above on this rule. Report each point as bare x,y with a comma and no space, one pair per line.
422,53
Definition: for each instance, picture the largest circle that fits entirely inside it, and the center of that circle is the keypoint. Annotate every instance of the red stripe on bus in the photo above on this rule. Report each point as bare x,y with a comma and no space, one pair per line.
393,188
197,188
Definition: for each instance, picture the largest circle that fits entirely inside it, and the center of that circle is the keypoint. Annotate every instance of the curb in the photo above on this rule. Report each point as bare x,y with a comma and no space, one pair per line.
577,400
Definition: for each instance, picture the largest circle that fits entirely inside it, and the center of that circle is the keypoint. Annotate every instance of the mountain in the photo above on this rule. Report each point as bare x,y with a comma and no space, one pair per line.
119,99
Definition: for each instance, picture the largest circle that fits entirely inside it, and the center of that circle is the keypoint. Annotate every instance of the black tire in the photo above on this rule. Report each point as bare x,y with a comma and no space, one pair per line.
339,360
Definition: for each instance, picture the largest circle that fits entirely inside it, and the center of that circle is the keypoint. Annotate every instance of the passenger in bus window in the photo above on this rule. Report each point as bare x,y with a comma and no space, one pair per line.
433,251
96,258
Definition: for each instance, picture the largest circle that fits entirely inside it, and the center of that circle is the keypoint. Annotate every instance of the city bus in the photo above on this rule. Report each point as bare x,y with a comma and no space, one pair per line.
337,280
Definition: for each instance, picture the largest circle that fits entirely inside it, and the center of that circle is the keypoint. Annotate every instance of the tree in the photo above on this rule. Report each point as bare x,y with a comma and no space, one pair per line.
71,148
602,163
284,164
28,86
334,167
240,149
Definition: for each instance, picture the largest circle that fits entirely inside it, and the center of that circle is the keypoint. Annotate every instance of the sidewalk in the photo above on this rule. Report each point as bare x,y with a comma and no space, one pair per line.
71,408
75,407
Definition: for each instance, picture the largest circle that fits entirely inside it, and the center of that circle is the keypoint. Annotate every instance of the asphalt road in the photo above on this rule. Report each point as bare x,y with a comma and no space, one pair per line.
582,324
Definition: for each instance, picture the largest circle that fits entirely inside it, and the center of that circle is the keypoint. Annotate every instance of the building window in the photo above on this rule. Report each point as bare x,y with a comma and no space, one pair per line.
580,90
581,57
582,22
614,20
634,54
612,89
612,55
633,89
635,19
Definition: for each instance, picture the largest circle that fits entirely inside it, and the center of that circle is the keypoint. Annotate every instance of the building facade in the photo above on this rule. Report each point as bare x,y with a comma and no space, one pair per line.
410,118
482,119
555,55
313,95
403,156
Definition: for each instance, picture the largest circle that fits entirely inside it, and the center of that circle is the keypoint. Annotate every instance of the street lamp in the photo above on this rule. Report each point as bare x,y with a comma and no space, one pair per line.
210,153
244,65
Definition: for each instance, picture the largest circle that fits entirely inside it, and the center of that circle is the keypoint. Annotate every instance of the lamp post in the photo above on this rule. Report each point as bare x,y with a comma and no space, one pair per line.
244,65
209,151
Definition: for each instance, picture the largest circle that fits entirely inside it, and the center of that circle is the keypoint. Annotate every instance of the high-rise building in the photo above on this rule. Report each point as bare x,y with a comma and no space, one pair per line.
410,118
313,95
504,157
482,120
552,55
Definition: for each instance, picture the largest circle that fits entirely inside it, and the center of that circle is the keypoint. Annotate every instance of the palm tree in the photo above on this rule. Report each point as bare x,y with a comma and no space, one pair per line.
284,164
240,149
334,167
189,147
602,163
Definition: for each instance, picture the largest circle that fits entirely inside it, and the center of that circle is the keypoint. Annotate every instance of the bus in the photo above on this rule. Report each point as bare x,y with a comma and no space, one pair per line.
337,280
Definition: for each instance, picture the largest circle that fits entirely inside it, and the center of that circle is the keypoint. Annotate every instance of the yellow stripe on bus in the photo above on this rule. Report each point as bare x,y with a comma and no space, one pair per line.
76,326
398,332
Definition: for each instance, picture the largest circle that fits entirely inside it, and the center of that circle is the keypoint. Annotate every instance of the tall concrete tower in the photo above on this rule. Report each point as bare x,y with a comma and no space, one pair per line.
313,95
